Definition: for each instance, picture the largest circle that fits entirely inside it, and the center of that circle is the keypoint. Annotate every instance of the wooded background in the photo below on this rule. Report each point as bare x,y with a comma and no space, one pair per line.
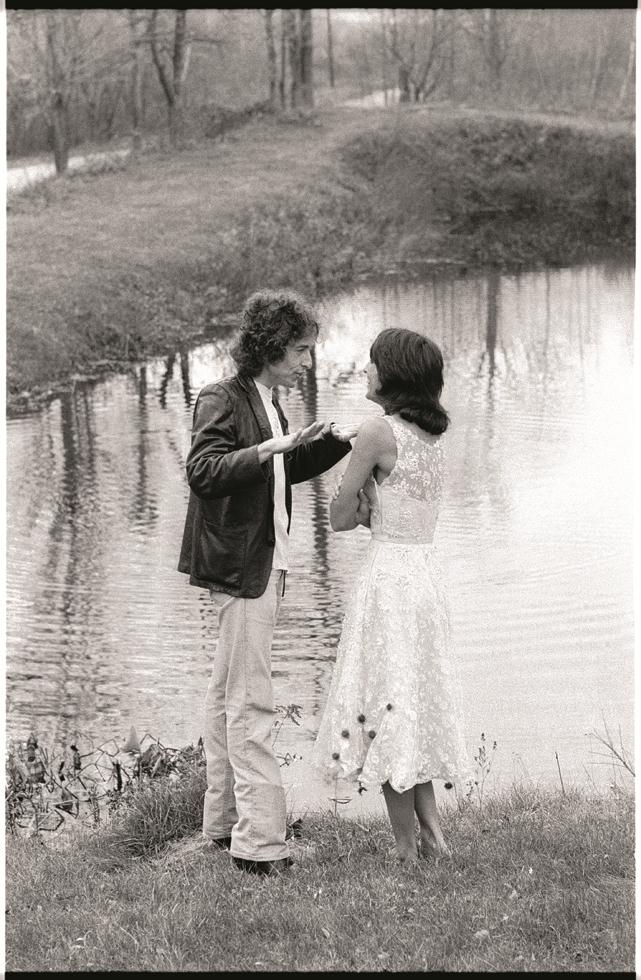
91,75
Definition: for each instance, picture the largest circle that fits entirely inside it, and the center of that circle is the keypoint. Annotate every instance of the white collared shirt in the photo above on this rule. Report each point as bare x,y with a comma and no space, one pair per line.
281,547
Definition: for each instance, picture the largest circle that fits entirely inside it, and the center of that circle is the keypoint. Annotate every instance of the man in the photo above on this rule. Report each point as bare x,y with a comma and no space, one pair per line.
240,468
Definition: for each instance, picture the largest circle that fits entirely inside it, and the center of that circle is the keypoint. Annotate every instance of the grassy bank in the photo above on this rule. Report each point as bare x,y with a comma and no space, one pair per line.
502,192
538,881
107,268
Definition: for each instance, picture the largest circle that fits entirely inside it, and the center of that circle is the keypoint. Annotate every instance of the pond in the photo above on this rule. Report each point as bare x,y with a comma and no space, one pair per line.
535,532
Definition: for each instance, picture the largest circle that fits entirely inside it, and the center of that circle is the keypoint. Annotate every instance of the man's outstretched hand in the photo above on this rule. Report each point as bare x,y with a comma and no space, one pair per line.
283,444
307,433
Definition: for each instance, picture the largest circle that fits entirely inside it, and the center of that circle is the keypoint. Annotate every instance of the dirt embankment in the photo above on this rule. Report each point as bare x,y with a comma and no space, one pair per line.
106,269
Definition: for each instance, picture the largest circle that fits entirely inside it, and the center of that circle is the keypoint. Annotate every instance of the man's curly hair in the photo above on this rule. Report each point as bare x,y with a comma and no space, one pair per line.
271,320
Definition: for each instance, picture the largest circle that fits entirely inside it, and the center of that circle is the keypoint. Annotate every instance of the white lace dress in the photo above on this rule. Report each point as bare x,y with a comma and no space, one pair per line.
392,711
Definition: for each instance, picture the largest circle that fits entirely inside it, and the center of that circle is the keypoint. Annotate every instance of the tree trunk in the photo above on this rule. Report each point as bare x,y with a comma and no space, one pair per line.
451,53
59,133
293,50
138,29
600,60
403,83
92,107
112,101
625,86
283,59
306,58
59,122
172,80
493,48
173,123
271,57
330,50
182,51
384,56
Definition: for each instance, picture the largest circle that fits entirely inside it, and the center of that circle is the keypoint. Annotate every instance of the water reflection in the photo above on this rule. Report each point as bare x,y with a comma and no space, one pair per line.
535,533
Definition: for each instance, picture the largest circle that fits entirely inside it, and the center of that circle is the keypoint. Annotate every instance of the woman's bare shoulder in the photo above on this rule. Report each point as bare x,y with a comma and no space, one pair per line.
376,430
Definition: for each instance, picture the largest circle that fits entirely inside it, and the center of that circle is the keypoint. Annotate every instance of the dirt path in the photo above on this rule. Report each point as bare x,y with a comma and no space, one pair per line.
335,121
28,173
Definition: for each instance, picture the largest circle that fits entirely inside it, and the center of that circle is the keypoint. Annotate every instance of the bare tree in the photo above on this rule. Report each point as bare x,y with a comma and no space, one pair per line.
330,49
102,99
59,56
60,77
138,30
601,61
629,72
283,57
487,27
268,14
306,57
450,57
494,45
170,51
415,40
292,41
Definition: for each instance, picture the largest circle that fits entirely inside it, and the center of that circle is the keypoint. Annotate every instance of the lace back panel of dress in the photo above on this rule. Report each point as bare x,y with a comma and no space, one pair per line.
408,500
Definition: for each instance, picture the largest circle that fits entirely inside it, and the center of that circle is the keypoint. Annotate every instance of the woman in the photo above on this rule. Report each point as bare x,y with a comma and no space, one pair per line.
392,717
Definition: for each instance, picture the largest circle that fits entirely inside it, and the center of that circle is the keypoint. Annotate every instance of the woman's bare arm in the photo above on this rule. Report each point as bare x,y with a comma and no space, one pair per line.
373,446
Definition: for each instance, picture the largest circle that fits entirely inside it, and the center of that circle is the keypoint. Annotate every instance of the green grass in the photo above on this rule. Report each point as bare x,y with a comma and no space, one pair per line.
548,876
144,257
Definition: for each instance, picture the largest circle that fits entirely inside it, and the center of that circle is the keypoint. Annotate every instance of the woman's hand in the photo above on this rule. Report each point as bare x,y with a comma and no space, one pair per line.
344,433
283,444
363,510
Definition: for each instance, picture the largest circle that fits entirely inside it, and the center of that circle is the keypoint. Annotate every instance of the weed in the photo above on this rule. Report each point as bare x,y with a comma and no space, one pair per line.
45,791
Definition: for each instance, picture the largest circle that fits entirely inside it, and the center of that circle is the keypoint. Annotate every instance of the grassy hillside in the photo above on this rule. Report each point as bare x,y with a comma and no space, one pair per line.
108,267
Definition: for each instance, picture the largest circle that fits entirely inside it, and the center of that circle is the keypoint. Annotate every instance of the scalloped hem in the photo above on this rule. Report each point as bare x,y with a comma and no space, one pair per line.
371,780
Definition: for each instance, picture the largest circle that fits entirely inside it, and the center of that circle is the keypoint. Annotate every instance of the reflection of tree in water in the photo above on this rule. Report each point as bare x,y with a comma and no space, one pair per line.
185,376
325,582
183,355
73,536
319,502
142,511
488,354
206,611
166,378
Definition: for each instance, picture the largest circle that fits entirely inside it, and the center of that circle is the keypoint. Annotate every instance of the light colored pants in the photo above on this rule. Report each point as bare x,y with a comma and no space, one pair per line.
245,796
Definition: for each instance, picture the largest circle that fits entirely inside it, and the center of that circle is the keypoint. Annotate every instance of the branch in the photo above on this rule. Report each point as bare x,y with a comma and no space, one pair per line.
181,51
204,39
431,54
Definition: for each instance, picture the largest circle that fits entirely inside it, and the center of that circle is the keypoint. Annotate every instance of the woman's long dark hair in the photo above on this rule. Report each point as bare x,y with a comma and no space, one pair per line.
410,376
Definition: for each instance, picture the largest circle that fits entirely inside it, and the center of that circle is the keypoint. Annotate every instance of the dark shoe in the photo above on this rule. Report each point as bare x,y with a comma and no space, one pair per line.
262,867
196,844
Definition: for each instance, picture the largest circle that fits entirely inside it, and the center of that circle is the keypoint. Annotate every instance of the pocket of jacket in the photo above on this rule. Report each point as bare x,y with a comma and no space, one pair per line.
221,554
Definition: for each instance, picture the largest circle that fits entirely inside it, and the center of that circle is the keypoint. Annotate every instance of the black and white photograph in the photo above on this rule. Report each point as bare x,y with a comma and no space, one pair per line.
320,436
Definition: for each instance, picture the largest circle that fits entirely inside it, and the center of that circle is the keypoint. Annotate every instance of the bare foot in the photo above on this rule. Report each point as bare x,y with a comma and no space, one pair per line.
433,848
405,855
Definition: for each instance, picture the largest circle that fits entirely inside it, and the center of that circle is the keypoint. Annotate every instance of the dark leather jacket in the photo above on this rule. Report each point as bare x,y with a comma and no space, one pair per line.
228,541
